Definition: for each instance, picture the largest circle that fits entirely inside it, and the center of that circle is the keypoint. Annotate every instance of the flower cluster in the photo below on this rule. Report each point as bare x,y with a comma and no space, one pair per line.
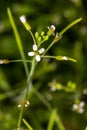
25,103
79,107
39,38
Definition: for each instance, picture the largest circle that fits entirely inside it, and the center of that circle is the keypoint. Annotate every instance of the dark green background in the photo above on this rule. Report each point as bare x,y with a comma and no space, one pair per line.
40,14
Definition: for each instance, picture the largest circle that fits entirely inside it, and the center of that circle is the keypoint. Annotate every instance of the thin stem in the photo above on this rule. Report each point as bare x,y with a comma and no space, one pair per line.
18,39
31,70
69,26
48,47
29,80
19,44
55,118
59,122
43,100
19,61
48,56
51,121
20,117
62,32
27,124
32,36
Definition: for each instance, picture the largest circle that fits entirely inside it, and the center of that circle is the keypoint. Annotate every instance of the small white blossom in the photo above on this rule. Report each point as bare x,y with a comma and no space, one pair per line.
4,61
27,103
64,58
51,30
19,105
36,52
53,85
79,107
23,19
1,61
52,27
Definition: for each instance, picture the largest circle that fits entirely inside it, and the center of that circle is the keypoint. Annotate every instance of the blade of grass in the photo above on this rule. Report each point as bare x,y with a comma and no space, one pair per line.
18,40
27,124
55,118
51,121
58,121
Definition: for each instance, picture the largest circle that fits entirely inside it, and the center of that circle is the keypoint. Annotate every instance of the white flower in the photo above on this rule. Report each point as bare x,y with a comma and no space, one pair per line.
64,58
1,61
26,103
52,27
23,19
4,61
79,107
51,30
36,52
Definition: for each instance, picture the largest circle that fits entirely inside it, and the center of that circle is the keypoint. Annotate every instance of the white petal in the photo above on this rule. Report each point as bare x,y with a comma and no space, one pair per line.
81,110
35,47
53,88
52,27
75,107
23,19
1,62
30,53
64,58
19,105
41,50
82,104
38,58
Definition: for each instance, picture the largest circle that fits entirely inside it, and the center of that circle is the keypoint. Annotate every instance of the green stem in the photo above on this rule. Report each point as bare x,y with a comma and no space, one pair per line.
48,47
43,100
10,61
27,124
29,80
59,122
18,39
20,118
69,26
55,118
62,32
51,121
49,57
19,44
32,36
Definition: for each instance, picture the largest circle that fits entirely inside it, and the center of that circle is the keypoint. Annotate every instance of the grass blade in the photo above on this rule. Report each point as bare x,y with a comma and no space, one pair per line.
18,40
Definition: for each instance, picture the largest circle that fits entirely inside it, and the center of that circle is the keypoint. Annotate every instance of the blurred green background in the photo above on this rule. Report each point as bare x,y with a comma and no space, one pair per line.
41,14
